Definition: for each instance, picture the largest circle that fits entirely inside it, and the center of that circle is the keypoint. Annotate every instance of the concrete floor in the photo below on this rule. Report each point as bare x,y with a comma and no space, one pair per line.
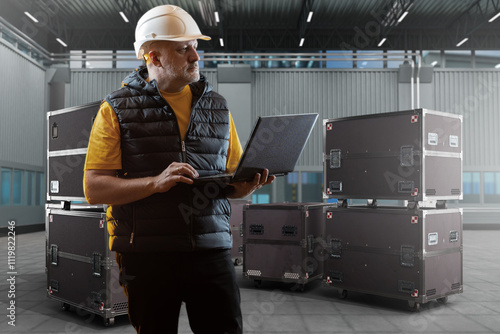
274,308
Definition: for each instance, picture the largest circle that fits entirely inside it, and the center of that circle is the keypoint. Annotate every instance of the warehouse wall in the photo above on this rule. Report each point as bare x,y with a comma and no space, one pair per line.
330,92
22,149
475,94
89,85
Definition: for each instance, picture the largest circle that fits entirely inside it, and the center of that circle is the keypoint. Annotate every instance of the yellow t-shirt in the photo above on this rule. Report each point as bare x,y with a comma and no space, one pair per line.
104,150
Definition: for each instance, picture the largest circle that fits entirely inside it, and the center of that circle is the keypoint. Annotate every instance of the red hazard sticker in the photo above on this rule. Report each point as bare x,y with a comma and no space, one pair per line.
415,293
415,192
414,219
307,213
414,118
101,223
329,126
329,215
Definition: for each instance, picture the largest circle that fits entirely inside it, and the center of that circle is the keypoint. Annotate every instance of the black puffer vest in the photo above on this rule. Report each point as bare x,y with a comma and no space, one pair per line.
186,217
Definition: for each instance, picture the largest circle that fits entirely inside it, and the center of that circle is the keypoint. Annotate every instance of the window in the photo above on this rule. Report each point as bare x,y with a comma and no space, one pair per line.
432,58
94,59
487,59
458,59
28,186
339,57
312,187
471,187
362,63
5,182
75,57
17,187
39,191
492,187
127,59
291,187
398,59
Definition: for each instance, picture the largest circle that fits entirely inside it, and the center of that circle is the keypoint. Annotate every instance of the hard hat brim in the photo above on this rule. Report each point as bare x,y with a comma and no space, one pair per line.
158,38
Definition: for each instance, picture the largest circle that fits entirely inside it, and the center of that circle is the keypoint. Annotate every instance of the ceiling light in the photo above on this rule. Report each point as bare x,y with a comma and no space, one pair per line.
124,17
462,41
301,42
494,18
497,66
382,41
221,42
402,17
434,63
216,16
310,16
61,42
31,17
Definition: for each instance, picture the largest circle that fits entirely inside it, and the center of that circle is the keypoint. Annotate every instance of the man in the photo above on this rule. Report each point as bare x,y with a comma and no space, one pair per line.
151,138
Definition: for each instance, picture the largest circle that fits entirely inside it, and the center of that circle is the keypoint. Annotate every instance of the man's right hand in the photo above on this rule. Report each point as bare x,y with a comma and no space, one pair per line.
176,172
103,187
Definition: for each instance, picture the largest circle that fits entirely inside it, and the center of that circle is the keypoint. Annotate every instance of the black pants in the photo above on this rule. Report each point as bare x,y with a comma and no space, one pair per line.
156,284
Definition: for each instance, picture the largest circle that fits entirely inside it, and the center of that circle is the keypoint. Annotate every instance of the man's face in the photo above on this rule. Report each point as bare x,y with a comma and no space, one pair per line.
178,61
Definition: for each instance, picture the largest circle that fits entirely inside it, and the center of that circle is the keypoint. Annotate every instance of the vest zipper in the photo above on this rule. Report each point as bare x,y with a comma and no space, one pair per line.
133,227
183,149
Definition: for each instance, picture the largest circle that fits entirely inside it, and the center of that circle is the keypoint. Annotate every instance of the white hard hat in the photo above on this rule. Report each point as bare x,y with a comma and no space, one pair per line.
165,23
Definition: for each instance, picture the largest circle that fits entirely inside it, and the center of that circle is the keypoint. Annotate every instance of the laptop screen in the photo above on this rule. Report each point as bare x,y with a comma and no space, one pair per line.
275,143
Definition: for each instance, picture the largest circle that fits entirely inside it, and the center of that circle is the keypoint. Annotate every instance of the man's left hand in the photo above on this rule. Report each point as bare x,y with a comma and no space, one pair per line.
245,188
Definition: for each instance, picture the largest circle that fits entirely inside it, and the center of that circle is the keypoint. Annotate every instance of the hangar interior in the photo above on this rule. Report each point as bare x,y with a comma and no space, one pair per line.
259,62
337,58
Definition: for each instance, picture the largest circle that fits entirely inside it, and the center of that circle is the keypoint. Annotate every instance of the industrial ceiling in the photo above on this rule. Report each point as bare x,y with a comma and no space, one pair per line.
266,25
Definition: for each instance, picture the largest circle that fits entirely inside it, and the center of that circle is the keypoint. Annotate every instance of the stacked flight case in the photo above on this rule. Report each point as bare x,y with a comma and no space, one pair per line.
403,252
284,242
81,270
236,224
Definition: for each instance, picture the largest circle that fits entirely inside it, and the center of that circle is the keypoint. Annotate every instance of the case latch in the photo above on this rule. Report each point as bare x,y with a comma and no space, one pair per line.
406,186
407,256
96,264
256,229
54,130
54,255
406,156
310,243
335,158
336,248
335,186
289,230
454,236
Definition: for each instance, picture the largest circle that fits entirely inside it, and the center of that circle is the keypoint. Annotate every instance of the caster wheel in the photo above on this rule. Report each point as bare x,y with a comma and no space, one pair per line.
342,203
441,205
413,306
257,283
413,206
237,262
65,307
343,293
442,300
298,287
108,321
